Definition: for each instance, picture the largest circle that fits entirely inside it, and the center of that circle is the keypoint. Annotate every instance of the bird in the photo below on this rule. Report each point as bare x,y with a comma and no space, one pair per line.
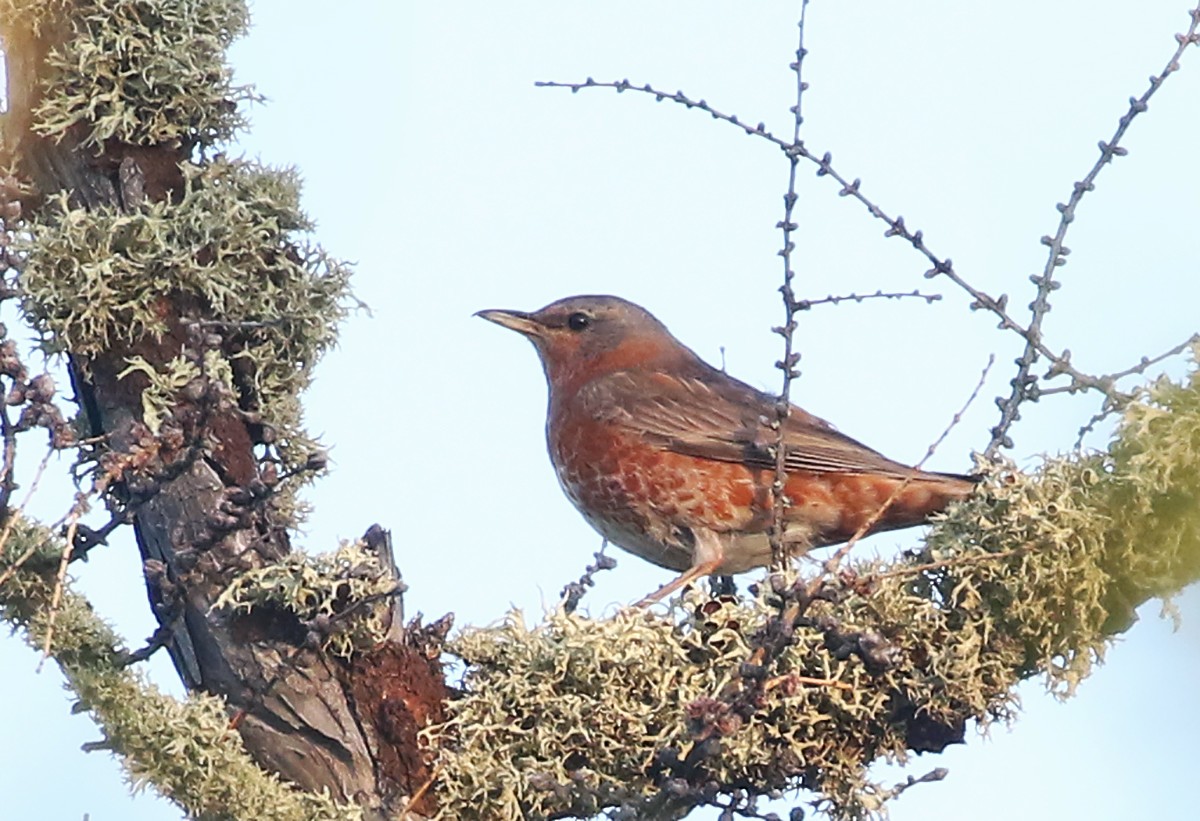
673,460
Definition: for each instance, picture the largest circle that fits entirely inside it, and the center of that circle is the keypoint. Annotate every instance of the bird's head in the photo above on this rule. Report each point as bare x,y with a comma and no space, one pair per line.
580,337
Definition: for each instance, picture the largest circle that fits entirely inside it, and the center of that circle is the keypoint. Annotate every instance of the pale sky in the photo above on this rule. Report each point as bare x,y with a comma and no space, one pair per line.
432,161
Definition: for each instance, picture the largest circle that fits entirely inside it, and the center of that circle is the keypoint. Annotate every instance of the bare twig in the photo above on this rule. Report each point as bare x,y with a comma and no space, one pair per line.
783,405
835,560
8,481
929,777
1025,383
1115,401
806,304
1106,410
159,639
574,591
1147,362
896,226
981,300
759,130
420,792
60,578
793,679
11,570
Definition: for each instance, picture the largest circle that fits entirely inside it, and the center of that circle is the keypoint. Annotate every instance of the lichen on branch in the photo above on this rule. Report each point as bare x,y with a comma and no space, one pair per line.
233,245
344,597
184,748
143,72
1030,577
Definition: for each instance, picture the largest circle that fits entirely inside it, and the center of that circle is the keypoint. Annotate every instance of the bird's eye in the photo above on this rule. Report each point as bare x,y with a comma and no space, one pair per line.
578,321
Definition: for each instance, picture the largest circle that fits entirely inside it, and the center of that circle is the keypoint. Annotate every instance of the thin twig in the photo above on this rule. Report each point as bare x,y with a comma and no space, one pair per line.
8,480
759,130
835,560
896,226
159,639
792,678
1147,362
1025,383
60,579
933,775
981,300
807,304
573,592
1106,410
11,570
420,793
1115,400
783,404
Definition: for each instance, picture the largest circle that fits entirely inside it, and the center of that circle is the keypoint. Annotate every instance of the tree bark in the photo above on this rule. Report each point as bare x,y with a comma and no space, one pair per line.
193,497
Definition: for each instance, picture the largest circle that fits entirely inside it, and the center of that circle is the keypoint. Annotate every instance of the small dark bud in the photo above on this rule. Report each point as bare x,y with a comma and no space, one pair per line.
677,787
752,672
667,758
41,388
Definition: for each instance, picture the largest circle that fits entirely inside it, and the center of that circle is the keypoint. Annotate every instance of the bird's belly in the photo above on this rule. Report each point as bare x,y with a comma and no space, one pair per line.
637,541
653,502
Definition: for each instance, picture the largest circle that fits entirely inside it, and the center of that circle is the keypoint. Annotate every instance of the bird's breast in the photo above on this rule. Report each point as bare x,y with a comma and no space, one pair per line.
645,499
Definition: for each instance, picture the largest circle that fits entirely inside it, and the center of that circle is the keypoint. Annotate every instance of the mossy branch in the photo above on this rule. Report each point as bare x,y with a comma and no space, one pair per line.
144,72
96,279
185,749
1030,577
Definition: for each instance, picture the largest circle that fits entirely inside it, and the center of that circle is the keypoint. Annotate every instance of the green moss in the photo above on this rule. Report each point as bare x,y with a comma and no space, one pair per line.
185,749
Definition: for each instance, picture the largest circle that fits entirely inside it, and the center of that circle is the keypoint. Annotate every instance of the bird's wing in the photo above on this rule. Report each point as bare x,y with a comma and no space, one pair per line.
712,415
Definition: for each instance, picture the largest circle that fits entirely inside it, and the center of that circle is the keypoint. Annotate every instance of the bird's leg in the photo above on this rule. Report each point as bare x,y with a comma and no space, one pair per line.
708,552
721,586
687,577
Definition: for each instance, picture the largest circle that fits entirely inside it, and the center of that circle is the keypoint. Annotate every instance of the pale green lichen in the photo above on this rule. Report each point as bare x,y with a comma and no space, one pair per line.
233,244
145,72
346,596
1032,576
164,386
33,15
185,749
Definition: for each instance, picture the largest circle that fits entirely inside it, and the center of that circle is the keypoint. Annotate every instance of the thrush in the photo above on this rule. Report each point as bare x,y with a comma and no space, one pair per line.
674,460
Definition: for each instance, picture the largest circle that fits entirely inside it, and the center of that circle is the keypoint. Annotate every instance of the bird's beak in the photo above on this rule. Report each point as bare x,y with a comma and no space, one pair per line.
518,321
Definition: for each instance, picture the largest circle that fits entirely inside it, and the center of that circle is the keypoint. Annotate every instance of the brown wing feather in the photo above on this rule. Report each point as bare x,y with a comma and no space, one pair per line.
710,414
